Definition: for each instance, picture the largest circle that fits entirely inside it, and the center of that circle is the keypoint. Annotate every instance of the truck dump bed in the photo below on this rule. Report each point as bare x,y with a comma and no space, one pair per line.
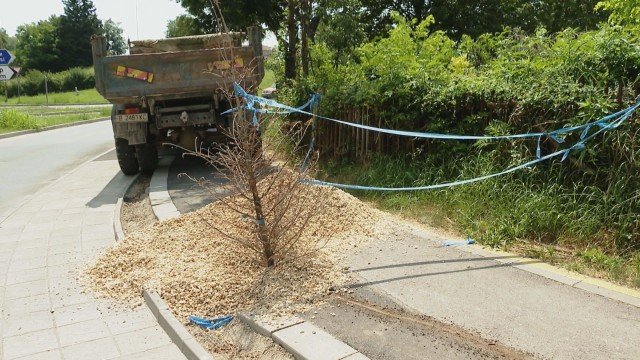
161,70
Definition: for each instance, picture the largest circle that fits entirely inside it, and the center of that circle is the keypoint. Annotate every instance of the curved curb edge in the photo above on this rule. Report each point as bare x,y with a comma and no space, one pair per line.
54,127
117,216
180,336
161,203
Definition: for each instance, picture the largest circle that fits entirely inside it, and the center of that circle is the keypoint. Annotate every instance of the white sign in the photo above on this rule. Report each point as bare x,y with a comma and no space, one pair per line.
6,73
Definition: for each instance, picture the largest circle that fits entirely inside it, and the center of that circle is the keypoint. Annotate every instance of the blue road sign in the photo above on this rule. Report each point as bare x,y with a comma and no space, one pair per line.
5,57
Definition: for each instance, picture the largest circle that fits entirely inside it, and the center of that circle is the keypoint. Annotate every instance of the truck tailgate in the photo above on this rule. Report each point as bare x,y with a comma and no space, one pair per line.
172,75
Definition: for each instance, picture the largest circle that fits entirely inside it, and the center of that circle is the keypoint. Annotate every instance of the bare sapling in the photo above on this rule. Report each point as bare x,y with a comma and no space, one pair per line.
276,210
274,207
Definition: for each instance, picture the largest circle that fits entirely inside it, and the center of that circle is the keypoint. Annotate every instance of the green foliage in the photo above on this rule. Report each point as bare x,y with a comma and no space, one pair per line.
89,96
183,25
115,41
16,120
460,17
4,37
37,46
622,11
27,118
418,78
33,82
238,14
76,27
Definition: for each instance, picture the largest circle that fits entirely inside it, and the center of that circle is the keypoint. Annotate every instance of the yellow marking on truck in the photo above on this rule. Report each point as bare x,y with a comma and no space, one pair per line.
124,71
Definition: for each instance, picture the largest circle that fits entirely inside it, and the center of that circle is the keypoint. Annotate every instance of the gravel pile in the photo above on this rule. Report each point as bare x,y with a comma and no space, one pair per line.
197,271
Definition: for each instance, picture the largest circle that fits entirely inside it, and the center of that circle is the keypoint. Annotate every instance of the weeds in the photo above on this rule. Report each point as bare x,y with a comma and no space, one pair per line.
38,118
13,119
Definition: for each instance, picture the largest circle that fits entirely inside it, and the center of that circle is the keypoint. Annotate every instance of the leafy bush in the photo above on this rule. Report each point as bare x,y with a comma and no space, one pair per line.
33,82
499,84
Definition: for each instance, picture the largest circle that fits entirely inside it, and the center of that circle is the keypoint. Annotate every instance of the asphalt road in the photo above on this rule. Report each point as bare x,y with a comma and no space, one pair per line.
29,162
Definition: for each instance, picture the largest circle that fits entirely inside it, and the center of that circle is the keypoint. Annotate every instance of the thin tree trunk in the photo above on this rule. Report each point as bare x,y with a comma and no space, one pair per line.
290,66
305,12
252,181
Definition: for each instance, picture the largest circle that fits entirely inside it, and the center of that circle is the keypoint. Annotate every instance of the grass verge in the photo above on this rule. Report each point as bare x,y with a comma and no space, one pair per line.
89,96
586,229
268,80
16,120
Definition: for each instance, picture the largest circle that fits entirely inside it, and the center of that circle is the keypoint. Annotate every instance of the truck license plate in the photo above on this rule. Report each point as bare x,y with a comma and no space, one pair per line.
133,118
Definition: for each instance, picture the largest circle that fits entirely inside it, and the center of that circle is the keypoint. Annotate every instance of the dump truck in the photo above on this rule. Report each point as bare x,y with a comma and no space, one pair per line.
174,91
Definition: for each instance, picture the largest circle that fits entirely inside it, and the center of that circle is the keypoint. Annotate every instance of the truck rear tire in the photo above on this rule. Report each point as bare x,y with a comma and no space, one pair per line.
147,158
126,157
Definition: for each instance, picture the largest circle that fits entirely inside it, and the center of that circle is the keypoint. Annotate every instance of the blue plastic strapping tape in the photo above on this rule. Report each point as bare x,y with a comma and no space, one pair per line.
211,324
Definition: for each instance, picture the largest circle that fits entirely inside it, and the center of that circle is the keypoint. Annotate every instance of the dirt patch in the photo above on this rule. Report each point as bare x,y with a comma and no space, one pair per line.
136,207
238,342
394,333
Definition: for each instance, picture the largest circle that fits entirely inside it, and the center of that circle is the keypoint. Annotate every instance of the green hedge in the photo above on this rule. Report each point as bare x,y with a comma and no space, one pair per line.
499,84
33,82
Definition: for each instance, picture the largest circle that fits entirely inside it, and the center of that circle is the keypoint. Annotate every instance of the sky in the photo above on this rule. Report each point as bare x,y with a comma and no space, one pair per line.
151,23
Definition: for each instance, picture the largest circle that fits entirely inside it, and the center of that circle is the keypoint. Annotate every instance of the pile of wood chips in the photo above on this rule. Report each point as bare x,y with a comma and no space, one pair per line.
197,271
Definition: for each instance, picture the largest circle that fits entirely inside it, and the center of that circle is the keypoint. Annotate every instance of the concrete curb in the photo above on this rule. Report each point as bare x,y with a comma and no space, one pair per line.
303,340
161,203
54,127
117,216
174,328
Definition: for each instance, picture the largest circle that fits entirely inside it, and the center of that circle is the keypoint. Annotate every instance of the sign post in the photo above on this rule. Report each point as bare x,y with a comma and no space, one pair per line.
6,72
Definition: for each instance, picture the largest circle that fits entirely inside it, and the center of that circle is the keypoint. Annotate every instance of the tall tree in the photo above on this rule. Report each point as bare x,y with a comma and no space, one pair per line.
4,37
622,11
115,41
183,25
476,17
37,45
238,14
77,25
290,58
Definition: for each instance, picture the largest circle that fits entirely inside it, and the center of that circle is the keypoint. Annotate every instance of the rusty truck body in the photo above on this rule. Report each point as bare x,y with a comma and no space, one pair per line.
173,91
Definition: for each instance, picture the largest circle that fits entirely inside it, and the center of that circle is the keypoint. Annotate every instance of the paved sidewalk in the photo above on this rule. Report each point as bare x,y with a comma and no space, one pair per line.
496,300
45,313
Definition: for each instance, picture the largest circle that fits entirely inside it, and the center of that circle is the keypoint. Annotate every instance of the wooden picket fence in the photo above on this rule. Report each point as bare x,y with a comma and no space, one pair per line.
338,140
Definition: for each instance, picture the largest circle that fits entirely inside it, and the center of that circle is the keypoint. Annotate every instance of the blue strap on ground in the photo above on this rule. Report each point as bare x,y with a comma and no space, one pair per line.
469,241
211,324
556,135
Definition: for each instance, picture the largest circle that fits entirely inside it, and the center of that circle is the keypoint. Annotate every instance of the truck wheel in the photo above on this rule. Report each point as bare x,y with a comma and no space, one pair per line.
126,157
147,158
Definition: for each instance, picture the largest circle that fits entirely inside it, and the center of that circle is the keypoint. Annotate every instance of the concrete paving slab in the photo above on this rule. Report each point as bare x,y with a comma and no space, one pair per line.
518,308
29,344
45,312
104,348
306,341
